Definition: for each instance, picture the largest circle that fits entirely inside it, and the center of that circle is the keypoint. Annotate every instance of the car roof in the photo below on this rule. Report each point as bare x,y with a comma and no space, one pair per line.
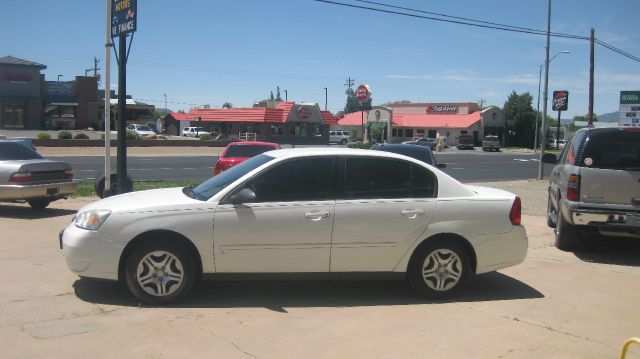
330,151
254,143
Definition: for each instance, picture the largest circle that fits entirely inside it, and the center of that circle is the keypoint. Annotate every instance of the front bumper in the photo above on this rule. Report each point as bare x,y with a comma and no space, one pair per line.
90,255
28,191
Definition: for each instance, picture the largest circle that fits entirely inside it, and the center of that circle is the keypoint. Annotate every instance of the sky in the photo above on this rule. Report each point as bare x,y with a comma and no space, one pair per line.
201,52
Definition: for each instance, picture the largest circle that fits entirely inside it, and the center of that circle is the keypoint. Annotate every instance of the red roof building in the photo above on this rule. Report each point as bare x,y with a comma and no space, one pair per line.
405,122
282,122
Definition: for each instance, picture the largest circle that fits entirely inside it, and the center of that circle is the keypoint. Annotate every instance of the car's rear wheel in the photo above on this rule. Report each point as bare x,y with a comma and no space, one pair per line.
39,204
566,233
439,269
550,213
160,272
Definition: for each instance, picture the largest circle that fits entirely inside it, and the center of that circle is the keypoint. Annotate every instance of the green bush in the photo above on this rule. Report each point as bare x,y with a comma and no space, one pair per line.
131,135
80,136
64,135
44,136
102,136
359,144
205,137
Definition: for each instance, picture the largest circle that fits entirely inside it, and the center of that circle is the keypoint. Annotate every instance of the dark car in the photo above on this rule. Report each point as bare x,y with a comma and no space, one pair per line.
465,142
595,186
420,153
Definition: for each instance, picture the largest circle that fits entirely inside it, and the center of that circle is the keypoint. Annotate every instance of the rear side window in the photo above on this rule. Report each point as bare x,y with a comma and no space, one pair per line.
247,150
13,151
367,178
619,149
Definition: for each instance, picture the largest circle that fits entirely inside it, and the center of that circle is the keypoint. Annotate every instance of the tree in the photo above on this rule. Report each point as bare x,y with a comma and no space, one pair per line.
585,118
227,105
271,98
519,115
278,97
353,105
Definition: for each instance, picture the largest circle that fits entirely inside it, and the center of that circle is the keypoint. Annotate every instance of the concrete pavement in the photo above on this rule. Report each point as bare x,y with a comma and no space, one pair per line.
555,304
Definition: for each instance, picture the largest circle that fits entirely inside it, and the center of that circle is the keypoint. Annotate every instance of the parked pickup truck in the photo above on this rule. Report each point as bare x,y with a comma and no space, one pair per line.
491,143
465,141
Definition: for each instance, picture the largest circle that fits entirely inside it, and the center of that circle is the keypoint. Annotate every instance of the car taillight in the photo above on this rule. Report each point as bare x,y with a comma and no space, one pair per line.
515,215
68,174
573,188
21,177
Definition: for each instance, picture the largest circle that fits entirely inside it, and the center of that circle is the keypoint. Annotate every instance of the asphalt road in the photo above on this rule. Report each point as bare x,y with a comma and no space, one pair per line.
466,166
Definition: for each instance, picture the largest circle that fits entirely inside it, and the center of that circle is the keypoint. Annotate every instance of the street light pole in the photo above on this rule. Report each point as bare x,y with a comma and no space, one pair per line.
546,93
286,98
59,76
535,141
326,98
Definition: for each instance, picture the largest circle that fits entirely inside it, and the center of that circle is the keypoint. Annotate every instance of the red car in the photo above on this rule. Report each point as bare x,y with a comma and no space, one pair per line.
238,152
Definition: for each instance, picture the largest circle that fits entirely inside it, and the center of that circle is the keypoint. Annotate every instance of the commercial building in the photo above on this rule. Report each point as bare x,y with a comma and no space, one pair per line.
21,93
281,122
403,122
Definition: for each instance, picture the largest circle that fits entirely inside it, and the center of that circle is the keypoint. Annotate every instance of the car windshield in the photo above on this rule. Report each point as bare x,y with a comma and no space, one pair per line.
247,150
144,128
215,184
14,151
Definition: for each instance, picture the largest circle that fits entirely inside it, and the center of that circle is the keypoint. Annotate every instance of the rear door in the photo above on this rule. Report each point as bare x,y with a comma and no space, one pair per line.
385,205
610,169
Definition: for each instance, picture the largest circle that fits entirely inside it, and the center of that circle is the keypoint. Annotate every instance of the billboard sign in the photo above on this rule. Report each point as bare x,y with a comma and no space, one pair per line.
363,93
629,109
124,15
560,100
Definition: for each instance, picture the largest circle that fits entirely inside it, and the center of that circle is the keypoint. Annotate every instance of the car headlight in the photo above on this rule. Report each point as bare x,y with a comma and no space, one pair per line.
91,220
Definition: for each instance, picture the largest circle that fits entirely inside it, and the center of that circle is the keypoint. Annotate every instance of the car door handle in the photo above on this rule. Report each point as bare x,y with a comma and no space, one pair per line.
316,216
412,213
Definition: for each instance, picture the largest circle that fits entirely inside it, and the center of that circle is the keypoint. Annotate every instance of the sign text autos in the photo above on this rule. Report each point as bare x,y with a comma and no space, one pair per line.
123,16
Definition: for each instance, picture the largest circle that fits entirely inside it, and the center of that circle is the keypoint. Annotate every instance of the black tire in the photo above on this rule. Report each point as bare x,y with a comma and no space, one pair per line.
566,233
38,204
187,269
550,208
99,184
426,257
343,141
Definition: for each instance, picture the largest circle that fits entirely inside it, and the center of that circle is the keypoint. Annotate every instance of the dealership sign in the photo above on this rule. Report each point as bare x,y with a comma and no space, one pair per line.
123,16
304,113
560,100
629,109
363,93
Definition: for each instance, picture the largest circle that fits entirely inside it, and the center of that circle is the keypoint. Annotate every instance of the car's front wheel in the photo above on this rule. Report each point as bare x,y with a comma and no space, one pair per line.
160,272
439,269
343,141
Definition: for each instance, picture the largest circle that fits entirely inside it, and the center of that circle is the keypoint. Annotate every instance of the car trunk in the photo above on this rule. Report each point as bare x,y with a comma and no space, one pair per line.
45,171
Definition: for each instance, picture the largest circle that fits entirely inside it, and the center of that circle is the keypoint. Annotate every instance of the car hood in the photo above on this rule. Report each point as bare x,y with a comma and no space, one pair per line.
150,200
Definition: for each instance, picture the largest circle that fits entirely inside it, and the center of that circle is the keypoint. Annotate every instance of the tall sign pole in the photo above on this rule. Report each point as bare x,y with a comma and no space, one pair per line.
363,94
560,103
123,21
591,66
107,104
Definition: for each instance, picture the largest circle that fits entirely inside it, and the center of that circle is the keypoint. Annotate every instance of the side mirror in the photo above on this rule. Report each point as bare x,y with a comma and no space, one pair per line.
550,158
441,165
246,195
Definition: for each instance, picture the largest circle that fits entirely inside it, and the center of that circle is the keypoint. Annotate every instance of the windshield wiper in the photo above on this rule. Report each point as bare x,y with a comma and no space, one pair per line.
189,192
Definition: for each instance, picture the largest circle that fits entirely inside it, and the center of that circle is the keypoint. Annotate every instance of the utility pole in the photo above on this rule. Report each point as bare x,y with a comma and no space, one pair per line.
591,79
286,97
95,66
326,98
482,101
165,104
543,136
350,82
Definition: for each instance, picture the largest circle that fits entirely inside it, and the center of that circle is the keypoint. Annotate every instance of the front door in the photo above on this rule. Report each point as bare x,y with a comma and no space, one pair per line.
288,226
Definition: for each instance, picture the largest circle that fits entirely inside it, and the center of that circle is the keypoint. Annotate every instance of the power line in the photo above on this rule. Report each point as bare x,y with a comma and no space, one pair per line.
472,22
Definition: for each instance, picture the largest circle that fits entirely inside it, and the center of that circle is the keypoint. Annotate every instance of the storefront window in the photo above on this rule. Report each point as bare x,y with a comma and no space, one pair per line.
299,129
277,130
408,132
317,130
394,132
13,117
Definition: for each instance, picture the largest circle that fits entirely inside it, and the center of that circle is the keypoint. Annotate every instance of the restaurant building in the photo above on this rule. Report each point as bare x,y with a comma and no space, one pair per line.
404,122
280,122
21,93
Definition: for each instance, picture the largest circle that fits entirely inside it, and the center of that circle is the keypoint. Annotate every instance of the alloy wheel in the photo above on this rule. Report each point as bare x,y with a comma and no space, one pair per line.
160,273
442,269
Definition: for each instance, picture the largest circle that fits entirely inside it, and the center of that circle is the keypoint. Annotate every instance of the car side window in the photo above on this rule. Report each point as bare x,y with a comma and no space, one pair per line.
307,179
367,177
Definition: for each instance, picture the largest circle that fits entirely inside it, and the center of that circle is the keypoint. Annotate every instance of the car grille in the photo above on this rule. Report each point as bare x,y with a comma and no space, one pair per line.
47,176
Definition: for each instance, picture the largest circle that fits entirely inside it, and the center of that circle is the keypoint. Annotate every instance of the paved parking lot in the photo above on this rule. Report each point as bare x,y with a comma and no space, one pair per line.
555,304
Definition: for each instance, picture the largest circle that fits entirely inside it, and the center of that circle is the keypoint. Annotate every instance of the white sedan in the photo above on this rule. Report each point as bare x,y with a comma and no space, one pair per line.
307,210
